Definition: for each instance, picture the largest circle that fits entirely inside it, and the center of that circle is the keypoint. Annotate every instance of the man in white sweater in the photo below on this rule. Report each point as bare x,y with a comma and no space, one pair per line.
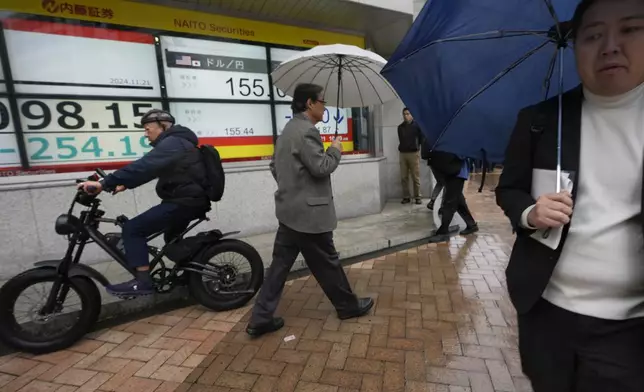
581,306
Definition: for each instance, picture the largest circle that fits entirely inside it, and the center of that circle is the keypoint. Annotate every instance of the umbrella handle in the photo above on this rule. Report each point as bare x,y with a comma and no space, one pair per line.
337,116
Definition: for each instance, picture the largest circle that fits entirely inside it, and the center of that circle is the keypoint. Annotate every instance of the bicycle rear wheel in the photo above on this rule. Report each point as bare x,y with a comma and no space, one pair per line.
242,269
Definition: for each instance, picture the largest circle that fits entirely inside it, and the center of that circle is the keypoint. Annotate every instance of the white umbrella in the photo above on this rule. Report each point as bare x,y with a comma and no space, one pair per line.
349,75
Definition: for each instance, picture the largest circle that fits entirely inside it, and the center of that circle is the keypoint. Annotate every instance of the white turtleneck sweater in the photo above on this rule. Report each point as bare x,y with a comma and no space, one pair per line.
601,269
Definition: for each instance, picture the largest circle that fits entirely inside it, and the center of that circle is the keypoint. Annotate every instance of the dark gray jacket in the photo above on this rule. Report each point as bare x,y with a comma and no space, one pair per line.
302,169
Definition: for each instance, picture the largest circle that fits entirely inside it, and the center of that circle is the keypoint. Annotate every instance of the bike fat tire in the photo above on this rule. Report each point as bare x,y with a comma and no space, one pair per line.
227,302
9,293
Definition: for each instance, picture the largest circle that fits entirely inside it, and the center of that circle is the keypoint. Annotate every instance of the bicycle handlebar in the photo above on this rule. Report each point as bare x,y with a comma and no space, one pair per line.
93,177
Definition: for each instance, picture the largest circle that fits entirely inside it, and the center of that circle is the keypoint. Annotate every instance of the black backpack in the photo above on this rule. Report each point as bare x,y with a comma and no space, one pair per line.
215,177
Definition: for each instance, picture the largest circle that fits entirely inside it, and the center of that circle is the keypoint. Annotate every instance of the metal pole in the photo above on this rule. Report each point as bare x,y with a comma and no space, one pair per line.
13,103
337,108
560,116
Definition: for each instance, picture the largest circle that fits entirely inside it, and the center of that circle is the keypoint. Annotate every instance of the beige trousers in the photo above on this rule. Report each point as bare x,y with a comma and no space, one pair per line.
410,165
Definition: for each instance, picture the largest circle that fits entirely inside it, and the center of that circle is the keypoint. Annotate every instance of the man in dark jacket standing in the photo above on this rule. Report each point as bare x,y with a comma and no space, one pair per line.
410,139
176,161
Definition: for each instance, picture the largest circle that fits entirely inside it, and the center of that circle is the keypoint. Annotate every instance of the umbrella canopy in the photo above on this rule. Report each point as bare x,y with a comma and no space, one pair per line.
349,75
466,67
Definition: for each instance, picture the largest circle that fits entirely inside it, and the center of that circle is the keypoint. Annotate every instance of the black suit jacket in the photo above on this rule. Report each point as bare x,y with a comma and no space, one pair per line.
446,163
533,145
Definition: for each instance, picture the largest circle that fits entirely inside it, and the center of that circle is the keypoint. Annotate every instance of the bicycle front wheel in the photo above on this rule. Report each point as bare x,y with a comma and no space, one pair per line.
26,327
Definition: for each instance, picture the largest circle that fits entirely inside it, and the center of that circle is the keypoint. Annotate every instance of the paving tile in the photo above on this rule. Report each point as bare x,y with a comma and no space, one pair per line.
500,376
67,388
314,367
76,377
371,382
140,353
87,346
123,376
95,382
137,384
304,386
61,367
109,365
113,336
154,364
18,366
171,373
394,377
40,386
6,379
193,361
195,334
237,380
53,358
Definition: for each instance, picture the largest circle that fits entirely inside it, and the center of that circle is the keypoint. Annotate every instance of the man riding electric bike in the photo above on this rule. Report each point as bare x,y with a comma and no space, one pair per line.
177,163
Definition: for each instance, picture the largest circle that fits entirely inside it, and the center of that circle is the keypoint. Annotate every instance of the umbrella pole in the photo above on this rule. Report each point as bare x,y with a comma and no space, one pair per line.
560,116
562,48
337,109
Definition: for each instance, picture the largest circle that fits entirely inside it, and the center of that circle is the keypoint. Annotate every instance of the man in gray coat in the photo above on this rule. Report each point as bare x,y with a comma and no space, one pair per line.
306,214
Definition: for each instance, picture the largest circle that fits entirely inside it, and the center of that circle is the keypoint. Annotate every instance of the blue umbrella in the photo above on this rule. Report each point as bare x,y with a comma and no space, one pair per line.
466,68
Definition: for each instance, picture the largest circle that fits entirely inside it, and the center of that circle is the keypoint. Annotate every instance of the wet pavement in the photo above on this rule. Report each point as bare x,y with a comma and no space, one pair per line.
442,323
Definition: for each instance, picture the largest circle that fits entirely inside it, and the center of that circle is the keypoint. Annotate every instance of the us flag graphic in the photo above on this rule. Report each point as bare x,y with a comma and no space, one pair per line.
184,60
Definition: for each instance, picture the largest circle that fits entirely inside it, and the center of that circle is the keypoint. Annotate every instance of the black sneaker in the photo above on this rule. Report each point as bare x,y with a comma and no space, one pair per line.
470,230
130,289
406,200
419,201
256,331
430,205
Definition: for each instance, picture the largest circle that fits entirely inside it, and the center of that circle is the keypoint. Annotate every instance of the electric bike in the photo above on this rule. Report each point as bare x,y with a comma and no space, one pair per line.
48,327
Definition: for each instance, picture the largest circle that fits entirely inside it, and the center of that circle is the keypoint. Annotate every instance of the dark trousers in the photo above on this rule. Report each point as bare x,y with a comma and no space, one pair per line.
321,258
563,351
453,202
168,217
440,183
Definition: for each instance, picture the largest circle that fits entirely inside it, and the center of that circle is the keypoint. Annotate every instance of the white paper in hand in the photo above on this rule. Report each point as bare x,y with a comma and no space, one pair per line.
543,182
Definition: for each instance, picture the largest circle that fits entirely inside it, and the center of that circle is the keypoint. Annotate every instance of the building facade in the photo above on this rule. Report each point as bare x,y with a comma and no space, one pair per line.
75,77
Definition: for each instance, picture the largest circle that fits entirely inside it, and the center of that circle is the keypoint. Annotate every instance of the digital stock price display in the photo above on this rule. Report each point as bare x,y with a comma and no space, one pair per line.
82,91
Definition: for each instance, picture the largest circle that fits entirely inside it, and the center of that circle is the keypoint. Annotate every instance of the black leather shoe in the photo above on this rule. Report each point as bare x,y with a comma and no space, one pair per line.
364,306
262,329
470,229
438,238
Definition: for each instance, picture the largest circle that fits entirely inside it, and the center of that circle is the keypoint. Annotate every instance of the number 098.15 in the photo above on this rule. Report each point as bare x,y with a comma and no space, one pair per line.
69,115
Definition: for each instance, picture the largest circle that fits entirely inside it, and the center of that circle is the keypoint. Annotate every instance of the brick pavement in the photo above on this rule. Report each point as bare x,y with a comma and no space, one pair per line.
442,323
